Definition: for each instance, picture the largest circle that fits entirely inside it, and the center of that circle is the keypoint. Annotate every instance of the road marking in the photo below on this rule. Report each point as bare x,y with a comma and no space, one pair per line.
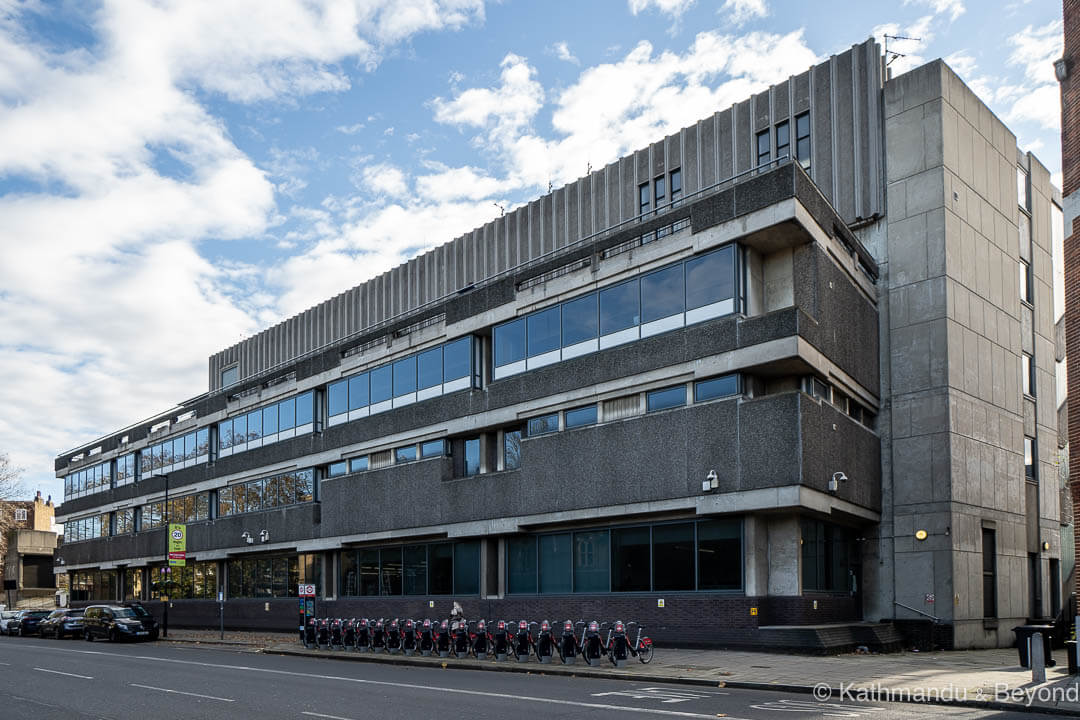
330,717
666,695
57,672
826,709
181,692
412,686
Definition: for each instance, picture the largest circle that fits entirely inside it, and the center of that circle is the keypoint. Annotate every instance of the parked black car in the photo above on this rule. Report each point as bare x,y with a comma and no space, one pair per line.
114,623
148,620
65,621
29,621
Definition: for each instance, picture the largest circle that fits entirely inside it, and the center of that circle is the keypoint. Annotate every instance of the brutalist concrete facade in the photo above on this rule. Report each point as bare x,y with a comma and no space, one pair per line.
875,331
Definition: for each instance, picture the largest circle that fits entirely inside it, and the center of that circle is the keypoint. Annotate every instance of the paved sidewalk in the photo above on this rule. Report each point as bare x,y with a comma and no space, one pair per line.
983,678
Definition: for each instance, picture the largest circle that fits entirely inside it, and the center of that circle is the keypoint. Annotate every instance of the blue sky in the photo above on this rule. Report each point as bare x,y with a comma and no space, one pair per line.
176,176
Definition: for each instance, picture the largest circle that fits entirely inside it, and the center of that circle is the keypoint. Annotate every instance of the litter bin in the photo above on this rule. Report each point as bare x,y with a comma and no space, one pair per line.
1023,642
1070,656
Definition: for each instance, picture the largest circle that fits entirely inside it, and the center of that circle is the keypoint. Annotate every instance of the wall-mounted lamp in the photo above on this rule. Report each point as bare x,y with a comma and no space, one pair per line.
1061,69
264,536
60,561
834,482
920,535
246,537
1046,545
711,482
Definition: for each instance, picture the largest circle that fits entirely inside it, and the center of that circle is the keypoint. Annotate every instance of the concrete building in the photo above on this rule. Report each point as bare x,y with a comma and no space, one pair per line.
771,373
29,544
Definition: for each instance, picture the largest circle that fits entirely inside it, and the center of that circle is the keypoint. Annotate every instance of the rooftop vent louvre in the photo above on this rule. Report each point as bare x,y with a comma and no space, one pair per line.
185,416
370,344
95,451
381,459
556,273
280,379
622,407
420,325
163,425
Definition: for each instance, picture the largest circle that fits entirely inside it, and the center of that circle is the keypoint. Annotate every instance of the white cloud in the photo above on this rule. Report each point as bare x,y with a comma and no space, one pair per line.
952,8
562,51
350,129
1034,52
108,308
741,11
668,7
383,179
508,107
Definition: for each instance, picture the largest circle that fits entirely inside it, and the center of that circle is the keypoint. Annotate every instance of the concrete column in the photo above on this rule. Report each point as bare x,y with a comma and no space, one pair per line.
756,556
785,555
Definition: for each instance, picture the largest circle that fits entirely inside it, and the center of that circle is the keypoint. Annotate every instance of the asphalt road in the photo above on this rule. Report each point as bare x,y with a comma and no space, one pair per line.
52,679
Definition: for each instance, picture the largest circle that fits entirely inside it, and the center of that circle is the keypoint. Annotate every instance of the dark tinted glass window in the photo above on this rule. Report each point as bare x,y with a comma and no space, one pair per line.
660,187
579,320
254,425
270,419
457,361
556,557
710,278
441,569
512,450
673,557
521,565
433,448
429,368
415,570
718,387
543,425
763,147
369,572
630,559
472,456
381,384
390,560
662,293
802,139
619,307
676,185
666,398
783,140
719,555
358,391
467,568
543,331
230,376
287,414
305,407
510,342
643,198
591,561
581,416
405,376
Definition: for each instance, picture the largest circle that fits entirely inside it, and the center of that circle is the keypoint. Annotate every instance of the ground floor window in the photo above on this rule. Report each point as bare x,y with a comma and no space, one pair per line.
196,580
828,557
90,585
682,556
450,568
265,577
133,584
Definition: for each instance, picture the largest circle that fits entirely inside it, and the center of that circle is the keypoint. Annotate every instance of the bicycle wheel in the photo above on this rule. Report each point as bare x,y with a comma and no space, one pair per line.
645,650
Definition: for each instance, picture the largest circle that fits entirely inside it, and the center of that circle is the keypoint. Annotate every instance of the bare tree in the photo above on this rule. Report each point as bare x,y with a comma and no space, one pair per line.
11,489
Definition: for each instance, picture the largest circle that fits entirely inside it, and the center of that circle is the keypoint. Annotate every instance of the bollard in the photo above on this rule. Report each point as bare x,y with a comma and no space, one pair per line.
1038,661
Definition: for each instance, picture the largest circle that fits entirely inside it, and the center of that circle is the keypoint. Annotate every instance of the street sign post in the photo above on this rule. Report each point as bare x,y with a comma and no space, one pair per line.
177,545
306,592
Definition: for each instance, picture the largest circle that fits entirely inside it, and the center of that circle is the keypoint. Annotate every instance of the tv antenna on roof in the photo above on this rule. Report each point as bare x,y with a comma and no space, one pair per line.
892,54
502,210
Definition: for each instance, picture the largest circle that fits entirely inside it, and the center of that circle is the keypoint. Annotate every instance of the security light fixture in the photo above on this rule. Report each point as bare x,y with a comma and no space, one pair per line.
264,536
711,482
1061,69
920,535
246,537
834,482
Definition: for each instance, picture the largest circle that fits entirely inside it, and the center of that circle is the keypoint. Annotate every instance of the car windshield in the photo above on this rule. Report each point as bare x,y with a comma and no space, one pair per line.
75,613
123,613
140,611
37,614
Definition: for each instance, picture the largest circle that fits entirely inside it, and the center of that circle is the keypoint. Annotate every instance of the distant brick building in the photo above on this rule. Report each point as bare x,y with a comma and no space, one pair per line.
28,549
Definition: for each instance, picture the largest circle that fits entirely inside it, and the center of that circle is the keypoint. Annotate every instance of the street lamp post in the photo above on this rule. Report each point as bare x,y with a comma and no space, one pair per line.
165,609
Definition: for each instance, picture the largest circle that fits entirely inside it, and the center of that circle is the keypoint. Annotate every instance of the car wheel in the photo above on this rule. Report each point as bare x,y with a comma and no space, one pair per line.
114,636
59,634
88,636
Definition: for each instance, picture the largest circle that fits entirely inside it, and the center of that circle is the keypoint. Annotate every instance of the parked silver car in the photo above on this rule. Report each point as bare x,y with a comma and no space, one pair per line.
6,617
